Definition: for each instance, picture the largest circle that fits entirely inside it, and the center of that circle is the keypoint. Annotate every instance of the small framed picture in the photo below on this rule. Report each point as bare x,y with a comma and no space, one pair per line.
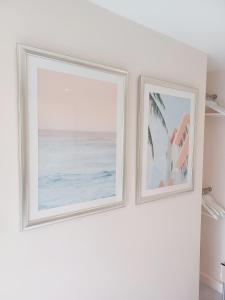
166,134
72,117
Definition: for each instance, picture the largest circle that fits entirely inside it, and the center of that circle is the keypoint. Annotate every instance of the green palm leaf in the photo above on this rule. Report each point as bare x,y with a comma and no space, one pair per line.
157,96
156,110
154,99
150,141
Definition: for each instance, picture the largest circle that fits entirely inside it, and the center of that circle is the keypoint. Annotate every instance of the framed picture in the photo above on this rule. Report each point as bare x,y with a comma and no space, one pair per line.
72,116
166,128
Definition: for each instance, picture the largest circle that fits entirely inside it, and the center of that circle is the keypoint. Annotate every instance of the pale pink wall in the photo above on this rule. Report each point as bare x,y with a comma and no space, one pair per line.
141,252
213,232
69,102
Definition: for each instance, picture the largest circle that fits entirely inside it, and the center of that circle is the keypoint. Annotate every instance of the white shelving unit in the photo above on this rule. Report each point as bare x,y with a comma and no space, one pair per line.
212,109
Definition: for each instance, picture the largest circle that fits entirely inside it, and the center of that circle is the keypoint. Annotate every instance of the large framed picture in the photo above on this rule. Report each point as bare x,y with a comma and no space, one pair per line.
72,117
166,133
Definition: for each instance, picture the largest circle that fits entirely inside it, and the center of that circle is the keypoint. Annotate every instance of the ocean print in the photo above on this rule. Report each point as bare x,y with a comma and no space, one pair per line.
73,152
168,140
75,167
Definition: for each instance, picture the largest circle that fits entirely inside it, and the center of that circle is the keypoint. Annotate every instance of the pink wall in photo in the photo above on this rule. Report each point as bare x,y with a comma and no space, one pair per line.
69,102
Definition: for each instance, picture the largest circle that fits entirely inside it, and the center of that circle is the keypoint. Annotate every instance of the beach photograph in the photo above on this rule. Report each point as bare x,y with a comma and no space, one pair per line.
77,119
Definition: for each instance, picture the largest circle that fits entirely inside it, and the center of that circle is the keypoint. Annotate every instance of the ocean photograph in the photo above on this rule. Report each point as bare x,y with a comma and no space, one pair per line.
75,167
77,129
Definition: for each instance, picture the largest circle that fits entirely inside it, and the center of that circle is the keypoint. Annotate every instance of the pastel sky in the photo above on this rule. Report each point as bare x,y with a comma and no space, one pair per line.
176,107
70,102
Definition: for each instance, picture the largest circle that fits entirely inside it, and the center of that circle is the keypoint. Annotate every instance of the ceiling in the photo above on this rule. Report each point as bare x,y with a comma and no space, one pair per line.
198,23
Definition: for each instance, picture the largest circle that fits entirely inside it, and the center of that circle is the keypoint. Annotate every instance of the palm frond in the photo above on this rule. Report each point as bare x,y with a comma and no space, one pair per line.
156,110
158,97
150,141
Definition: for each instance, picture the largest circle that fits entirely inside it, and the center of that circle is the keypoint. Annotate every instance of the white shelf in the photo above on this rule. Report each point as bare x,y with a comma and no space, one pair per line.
213,109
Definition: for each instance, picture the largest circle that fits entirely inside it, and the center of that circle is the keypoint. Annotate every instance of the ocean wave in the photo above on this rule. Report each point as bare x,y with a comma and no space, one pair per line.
65,189
75,168
63,180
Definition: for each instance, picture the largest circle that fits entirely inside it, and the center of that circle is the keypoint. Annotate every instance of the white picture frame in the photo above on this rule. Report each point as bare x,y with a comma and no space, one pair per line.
165,161
44,161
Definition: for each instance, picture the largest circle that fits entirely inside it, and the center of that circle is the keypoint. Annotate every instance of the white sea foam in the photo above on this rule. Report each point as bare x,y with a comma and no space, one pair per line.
75,167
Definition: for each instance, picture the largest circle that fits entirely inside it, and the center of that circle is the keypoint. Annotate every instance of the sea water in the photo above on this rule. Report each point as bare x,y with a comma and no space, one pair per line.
75,167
